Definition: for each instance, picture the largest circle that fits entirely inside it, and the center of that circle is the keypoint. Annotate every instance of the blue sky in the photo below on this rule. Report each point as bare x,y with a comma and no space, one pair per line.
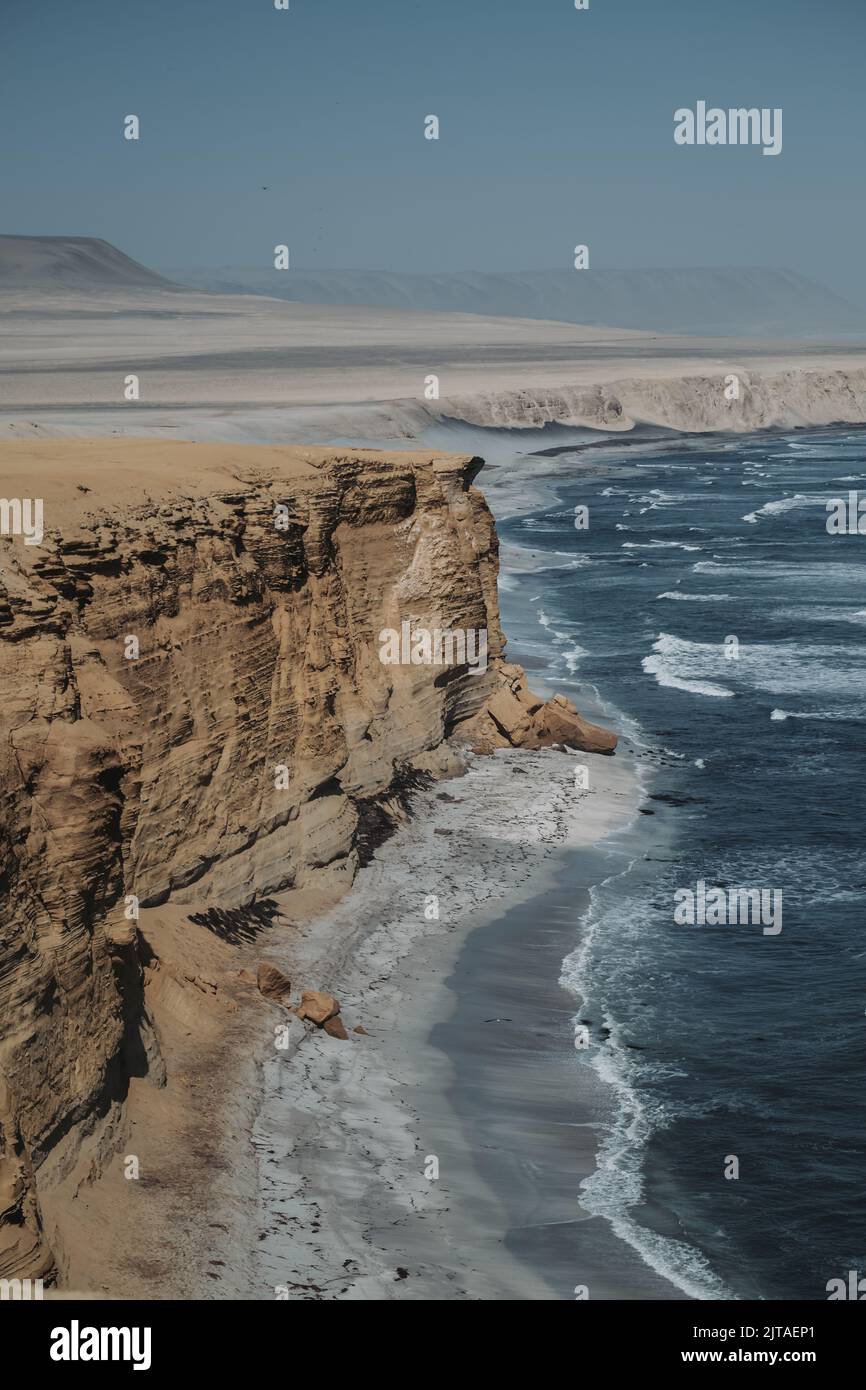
556,128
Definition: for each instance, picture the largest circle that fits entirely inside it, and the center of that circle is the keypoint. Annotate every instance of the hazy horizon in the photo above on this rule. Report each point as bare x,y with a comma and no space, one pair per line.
556,128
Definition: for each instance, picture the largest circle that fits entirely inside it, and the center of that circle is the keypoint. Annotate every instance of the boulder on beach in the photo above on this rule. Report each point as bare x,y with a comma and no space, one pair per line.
317,1006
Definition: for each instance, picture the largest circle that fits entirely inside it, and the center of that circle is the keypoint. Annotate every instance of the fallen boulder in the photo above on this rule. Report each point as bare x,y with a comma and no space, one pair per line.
559,722
317,1006
510,715
514,717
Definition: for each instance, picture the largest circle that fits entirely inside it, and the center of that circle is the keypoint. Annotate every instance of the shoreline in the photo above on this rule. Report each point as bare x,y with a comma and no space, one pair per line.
542,1112
465,1051
376,1239
356,1123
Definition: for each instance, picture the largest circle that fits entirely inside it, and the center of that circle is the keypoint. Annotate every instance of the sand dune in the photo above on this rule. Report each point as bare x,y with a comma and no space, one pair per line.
740,301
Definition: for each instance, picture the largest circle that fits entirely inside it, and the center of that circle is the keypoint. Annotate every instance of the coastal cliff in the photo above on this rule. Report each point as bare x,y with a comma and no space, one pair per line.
737,398
196,717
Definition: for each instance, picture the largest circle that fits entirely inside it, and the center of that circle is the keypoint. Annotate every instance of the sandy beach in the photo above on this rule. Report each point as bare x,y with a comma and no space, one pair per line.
348,1130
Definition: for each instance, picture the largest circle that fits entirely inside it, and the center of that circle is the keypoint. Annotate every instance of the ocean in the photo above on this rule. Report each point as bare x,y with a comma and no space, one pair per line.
707,612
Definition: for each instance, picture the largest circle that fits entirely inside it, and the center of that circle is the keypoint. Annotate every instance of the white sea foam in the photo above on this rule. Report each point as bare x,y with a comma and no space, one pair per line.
814,576
787,504
572,657
658,545
779,668
676,664
820,714
822,613
694,598
657,497
616,1185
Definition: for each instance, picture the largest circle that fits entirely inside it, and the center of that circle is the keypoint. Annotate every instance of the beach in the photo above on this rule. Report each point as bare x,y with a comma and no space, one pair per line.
348,1130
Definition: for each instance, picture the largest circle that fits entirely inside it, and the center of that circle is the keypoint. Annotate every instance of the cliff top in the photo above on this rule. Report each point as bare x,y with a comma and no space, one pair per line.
84,473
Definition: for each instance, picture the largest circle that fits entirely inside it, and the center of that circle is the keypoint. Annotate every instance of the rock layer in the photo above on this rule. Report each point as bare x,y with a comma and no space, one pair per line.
194,712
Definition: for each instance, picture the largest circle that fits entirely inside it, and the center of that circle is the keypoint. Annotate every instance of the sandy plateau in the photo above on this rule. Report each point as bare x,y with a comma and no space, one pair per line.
212,367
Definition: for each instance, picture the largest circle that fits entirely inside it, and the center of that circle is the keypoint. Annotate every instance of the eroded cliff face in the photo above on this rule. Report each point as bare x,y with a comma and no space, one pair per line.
195,713
738,398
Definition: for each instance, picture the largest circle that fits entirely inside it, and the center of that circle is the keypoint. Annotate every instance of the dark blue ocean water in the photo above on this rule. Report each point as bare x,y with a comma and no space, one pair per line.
722,1042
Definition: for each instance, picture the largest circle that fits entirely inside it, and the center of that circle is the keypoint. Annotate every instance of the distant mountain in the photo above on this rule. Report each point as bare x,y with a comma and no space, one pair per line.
71,263
733,302
722,302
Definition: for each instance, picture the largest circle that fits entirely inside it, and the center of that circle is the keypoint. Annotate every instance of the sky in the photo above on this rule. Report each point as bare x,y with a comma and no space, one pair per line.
306,127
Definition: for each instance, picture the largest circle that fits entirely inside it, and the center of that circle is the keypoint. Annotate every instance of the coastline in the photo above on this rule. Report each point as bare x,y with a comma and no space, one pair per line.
352,1127
347,1129
470,1058
342,1215
542,1111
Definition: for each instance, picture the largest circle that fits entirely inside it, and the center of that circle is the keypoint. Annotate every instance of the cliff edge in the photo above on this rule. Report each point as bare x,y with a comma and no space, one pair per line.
197,714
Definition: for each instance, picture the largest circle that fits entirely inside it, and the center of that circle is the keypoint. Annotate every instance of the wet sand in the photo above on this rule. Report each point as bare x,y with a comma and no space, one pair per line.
439,1155
528,1108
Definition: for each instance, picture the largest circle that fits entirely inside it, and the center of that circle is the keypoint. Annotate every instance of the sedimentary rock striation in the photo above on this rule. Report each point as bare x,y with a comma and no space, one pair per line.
194,712
738,398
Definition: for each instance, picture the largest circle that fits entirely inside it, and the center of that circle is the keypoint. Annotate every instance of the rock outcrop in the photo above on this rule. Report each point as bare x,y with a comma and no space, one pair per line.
272,983
515,718
195,713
